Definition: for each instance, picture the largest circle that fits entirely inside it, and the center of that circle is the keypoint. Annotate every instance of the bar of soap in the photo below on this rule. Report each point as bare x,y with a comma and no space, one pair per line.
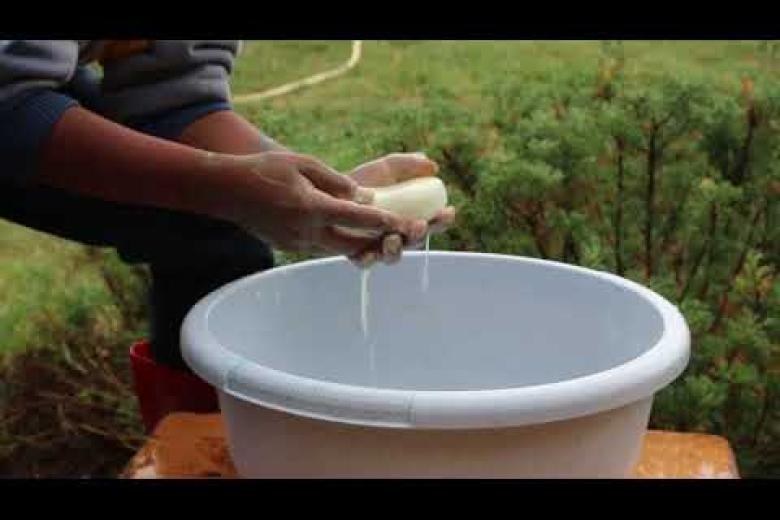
419,198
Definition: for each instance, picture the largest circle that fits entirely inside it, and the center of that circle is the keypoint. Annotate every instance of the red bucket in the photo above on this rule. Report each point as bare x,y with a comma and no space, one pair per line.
162,390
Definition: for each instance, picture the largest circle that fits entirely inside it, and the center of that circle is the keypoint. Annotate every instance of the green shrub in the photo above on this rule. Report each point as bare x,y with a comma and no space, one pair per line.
669,182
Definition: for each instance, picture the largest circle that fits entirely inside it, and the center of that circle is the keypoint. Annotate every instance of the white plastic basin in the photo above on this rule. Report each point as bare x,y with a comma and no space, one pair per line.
504,367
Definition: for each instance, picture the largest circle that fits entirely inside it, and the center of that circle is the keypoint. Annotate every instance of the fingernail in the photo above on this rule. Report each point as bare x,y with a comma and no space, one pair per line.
392,245
364,195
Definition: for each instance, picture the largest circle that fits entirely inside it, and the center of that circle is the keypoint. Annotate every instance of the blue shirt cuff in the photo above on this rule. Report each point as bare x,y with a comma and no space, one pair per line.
26,121
171,125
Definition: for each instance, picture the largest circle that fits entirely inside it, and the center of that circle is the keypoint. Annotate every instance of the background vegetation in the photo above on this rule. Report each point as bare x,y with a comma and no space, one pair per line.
654,160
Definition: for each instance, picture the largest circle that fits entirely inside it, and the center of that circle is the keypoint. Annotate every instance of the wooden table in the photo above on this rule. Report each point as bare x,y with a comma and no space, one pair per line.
188,445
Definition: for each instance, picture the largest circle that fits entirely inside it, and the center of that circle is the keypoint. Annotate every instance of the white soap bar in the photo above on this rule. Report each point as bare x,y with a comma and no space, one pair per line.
419,198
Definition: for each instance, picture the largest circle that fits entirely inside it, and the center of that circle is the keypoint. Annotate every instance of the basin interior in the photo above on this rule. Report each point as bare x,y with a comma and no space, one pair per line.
485,322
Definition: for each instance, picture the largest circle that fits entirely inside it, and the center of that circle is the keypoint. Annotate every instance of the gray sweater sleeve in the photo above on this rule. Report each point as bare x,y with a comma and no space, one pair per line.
30,65
171,82
30,73
170,75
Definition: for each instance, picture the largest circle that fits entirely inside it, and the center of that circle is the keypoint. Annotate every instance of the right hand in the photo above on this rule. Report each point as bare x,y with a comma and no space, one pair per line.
296,203
386,171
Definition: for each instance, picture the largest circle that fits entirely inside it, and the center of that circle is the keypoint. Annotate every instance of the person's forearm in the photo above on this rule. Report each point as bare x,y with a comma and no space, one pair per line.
227,132
93,156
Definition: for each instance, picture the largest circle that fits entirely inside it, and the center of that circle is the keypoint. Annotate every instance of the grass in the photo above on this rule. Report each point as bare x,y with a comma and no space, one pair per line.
340,120
275,62
58,312
31,265
65,385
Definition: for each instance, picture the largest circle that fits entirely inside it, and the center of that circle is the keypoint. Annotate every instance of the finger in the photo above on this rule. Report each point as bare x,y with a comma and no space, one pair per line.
392,248
352,214
326,178
417,233
442,220
394,168
373,173
338,242
365,259
405,166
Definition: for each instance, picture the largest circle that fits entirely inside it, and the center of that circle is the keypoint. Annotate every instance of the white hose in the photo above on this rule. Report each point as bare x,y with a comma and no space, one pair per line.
305,82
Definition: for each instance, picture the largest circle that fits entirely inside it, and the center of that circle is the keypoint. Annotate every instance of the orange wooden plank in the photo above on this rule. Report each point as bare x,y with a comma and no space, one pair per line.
686,455
188,445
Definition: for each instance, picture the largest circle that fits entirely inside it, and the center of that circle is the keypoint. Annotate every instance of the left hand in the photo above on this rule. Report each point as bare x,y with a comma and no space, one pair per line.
388,170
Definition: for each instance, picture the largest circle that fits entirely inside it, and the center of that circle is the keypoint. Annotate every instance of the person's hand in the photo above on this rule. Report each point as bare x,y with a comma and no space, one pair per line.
297,203
388,170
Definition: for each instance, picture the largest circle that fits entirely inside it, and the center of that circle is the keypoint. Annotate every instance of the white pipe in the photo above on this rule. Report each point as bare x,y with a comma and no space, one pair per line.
305,82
